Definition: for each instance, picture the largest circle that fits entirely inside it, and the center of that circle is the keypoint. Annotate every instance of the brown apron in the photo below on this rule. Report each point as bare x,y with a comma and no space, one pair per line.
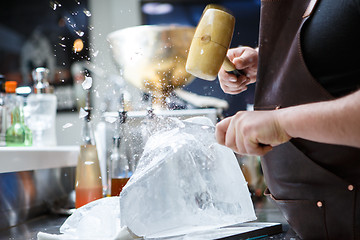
315,185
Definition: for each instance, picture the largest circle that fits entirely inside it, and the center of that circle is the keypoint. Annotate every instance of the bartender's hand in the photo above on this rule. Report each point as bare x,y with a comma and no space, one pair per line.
245,59
251,132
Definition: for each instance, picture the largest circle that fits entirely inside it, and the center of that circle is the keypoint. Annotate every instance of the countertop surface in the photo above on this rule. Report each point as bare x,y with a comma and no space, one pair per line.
50,223
16,159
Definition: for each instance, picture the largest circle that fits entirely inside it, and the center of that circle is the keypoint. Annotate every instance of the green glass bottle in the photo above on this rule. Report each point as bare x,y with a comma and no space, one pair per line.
17,134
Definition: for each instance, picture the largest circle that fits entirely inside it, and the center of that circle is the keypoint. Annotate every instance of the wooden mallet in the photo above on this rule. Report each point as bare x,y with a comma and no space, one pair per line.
210,44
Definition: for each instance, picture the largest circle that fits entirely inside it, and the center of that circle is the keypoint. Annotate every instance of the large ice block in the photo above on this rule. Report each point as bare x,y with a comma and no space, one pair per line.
185,181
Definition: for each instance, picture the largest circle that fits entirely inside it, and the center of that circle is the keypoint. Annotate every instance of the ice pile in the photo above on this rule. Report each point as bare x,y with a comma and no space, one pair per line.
184,183
98,220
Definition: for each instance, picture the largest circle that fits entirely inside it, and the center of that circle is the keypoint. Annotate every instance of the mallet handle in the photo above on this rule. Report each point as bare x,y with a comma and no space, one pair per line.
230,68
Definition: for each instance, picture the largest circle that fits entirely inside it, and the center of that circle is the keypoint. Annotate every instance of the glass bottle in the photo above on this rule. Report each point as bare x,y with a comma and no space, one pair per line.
17,134
2,122
88,185
119,169
3,125
10,101
42,106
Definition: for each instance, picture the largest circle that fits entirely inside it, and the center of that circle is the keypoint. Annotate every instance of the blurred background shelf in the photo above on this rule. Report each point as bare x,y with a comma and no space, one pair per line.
16,159
35,180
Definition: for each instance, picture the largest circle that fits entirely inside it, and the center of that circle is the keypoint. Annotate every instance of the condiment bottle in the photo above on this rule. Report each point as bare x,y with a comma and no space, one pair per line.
17,134
88,185
42,106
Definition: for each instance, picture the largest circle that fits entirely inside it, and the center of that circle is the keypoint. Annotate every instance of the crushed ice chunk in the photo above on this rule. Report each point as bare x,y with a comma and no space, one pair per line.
87,13
83,113
79,33
99,219
95,53
87,84
110,119
67,125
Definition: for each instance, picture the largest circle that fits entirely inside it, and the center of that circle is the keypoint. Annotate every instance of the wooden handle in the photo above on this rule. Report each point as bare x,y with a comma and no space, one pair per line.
230,68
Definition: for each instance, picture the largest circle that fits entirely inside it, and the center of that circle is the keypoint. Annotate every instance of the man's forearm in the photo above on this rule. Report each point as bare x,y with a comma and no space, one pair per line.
335,122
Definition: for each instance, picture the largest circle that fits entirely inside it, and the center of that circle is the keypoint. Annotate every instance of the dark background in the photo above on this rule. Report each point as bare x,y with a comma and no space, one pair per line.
188,12
59,23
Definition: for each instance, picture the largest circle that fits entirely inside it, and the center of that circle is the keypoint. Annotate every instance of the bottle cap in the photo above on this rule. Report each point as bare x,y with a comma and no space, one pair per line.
116,141
122,112
10,86
2,83
40,76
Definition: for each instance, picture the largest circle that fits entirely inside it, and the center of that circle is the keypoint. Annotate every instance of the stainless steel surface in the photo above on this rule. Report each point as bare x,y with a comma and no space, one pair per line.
28,231
265,211
138,116
153,57
27,194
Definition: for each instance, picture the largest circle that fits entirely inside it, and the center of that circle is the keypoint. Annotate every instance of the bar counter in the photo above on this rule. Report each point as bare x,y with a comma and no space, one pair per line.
50,223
